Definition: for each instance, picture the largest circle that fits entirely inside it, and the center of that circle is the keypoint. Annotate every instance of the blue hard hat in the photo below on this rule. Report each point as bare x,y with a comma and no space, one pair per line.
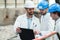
43,5
54,7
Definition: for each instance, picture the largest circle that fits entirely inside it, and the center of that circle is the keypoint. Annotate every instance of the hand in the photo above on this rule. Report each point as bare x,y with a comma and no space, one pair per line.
37,39
36,32
18,30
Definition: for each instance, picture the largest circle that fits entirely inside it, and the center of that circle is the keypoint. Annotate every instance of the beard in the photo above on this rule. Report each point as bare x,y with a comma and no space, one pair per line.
30,13
42,13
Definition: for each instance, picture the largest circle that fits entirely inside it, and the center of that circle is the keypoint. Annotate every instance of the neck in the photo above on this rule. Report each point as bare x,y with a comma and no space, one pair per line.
44,14
56,18
29,16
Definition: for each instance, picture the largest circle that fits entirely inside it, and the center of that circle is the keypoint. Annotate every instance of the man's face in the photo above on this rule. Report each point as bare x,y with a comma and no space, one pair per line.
30,11
43,12
54,16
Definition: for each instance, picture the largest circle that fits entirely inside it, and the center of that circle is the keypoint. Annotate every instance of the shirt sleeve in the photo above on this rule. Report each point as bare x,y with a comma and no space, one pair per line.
50,23
17,24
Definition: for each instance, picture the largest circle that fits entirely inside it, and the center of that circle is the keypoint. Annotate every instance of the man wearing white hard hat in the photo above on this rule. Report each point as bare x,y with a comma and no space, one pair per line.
28,20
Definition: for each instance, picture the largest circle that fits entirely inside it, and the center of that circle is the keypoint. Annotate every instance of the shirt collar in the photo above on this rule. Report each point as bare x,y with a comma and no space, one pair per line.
57,20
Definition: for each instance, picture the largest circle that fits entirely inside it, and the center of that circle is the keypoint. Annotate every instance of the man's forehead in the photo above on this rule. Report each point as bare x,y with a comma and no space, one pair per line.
29,8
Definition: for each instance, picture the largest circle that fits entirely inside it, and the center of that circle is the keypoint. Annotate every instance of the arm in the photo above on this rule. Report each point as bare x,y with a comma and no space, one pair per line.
17,25
46,36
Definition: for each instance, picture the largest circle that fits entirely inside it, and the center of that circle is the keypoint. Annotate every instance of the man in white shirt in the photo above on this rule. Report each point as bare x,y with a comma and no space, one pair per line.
28,20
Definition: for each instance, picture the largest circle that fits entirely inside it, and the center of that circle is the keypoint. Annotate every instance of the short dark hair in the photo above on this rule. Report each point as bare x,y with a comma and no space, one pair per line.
58,13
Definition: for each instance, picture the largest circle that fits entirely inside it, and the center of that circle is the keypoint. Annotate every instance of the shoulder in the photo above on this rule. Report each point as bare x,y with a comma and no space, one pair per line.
21,16
58,21
36,19
48,14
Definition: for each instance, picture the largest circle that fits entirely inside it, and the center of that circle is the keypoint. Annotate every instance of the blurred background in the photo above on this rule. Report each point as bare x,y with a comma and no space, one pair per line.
9,11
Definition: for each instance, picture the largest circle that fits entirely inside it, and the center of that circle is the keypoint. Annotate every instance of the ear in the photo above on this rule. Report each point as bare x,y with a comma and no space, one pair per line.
46,9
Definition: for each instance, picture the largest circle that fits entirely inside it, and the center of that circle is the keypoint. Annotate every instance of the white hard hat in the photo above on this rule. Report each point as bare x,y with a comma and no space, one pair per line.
29,4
